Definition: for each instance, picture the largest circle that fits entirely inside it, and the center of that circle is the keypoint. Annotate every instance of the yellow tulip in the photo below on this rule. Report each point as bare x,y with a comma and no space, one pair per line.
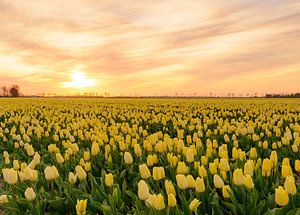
95,149
81,207
289,185
51,173
72,178
202,171
10,176
16,164
59,158
213,168
226,190
158,173
86,155
286,171
199,185
248,168
30,194
266,167
81,174
171,200
128,158
218,182
143,190
297,165
253,153
156,201
3,199
109,180
249,182
190,155
194,204
182,181
273,158
224,165
191,181
281,196
238,177
144,171
182,168
169,187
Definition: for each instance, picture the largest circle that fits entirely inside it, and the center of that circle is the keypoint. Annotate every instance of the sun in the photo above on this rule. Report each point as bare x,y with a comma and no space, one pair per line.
79,80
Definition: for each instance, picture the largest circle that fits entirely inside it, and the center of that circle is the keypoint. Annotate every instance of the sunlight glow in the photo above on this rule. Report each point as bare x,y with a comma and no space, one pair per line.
79,80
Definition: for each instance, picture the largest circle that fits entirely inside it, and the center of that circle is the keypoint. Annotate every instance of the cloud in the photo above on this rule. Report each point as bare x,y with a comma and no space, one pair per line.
151,46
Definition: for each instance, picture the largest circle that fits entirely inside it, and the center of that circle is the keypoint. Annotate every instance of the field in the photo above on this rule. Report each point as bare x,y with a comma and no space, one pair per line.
150,156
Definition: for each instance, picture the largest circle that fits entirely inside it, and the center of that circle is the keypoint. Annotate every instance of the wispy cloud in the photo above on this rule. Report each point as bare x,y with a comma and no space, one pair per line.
149,47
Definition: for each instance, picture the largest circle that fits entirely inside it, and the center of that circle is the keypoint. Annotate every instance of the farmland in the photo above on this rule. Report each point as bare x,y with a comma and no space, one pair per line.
150,156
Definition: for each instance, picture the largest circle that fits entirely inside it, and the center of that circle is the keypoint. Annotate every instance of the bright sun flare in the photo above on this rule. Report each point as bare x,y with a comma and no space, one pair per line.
79,80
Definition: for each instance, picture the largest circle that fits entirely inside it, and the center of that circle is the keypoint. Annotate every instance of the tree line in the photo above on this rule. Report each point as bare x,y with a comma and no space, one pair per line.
12,91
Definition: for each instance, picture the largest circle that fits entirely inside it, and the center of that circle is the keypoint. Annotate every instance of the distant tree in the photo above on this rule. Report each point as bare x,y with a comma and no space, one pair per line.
14,91
5,91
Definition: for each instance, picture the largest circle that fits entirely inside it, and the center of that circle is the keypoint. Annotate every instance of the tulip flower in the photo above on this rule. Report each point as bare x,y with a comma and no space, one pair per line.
81,207
194,204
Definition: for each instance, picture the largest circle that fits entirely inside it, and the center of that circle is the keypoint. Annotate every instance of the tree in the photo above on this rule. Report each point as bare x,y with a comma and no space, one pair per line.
4,91
15,91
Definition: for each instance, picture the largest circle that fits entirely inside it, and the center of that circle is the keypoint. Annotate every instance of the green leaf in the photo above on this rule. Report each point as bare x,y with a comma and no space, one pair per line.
274,211
232,207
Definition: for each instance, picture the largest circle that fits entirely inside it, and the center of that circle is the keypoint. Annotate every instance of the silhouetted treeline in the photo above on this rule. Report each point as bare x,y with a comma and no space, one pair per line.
292,95
13,91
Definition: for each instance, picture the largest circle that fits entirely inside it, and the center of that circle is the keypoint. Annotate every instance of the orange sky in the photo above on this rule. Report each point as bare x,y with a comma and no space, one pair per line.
151,47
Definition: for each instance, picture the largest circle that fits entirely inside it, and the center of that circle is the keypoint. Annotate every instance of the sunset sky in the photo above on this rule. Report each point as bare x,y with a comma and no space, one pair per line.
150,47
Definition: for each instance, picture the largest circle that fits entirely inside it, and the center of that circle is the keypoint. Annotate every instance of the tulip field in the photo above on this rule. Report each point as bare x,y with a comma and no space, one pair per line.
150,156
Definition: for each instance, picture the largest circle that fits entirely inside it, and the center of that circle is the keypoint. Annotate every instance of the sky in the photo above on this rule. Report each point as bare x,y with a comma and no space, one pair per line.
150,47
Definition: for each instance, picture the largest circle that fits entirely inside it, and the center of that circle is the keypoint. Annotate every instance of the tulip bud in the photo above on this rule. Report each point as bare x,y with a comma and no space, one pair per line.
266,167
224,165
158,173
3,199
199,185
10,176
248,168
297,165
59,158
95,148
194,204
286,171
202,171
143,190
109,180
190,155
289,185
171,200
226,190
213,168
30,194
16,164
253,153
144,171
72,178
281,196
191,181
182,181
81,174
182,168
218,182
128,158
169,187
238,177
248,182
81,207
51,173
